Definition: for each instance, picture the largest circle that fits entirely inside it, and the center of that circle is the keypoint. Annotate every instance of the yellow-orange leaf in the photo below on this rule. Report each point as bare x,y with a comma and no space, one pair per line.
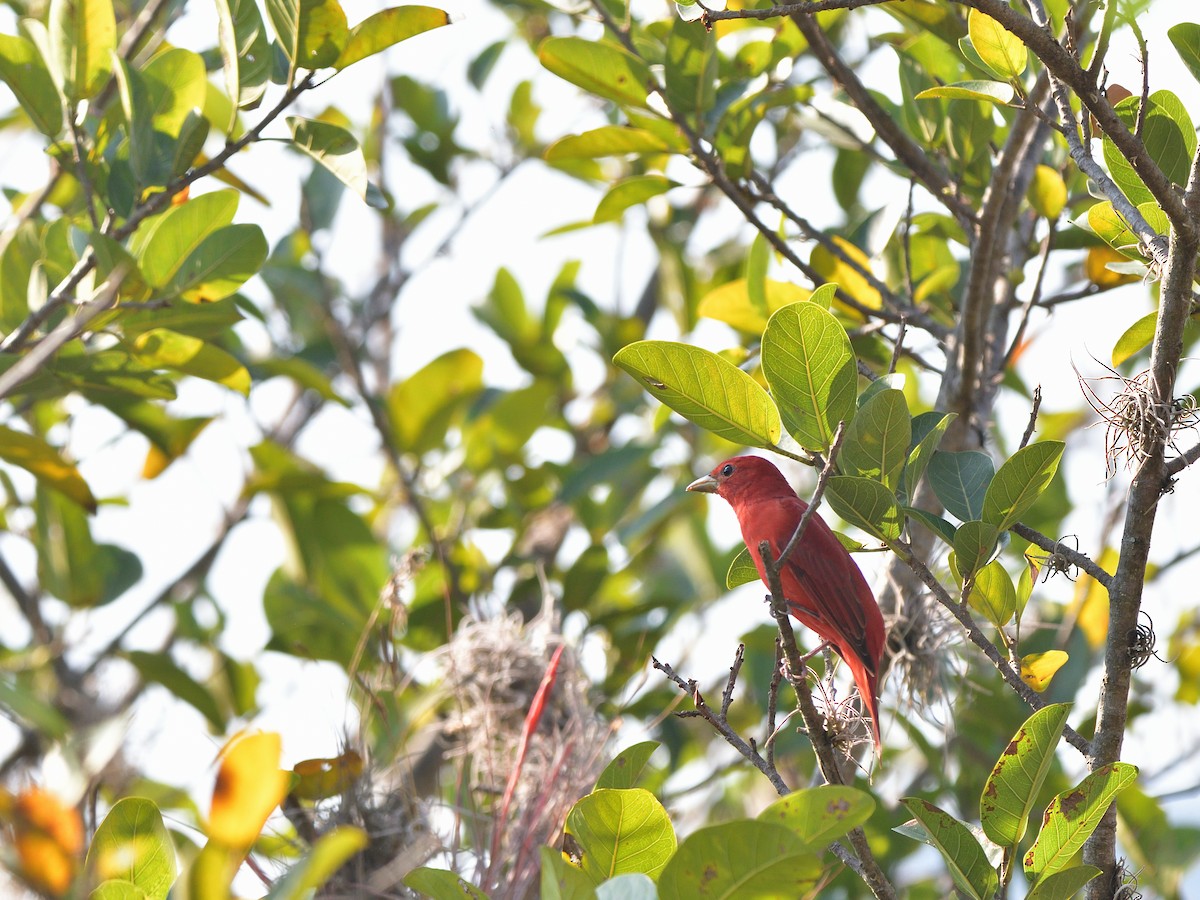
1038,668
32,453
249,786
730,303
1095,267
322,778
1091,602
48,838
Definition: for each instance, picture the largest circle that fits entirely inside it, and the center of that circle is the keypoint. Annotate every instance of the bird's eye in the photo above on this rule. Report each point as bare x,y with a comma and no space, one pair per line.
727,470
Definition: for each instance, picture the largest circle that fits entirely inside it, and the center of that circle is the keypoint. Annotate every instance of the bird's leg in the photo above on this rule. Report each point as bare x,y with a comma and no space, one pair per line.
823,647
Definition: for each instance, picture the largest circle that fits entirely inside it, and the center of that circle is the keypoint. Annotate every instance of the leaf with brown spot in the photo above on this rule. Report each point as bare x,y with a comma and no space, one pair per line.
1072,816
1012,788
821,815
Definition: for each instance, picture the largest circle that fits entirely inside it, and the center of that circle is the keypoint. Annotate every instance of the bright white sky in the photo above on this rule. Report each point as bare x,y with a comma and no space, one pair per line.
169,520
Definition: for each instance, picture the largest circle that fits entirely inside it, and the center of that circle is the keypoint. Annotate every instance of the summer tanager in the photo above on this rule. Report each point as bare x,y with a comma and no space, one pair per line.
823,586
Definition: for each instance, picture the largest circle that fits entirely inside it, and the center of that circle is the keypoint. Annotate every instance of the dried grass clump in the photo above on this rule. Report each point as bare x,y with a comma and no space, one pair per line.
924,662
1137,422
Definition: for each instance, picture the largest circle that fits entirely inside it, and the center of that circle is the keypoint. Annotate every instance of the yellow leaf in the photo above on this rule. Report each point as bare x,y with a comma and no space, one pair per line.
1038,668
1047,192
1095,267
33,454
1091,602
730,303
847,277
249,786
1002,51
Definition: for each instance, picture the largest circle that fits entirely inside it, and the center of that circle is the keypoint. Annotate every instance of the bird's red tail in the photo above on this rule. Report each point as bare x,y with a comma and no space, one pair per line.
868,689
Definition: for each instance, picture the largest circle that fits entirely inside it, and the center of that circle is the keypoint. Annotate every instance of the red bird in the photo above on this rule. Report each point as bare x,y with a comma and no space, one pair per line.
823,586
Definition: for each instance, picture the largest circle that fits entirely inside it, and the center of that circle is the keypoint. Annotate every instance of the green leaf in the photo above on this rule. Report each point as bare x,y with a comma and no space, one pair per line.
442,885
1073,815
71,565
563,881
33,454
132,844
936,524
1168,136
820,815
1019,482
992,593
738,124
965,859
974,543
321,34
117,889
334,849
808,363
164,242
1013,785
245,54
161,669
599,68
1135,338
626,767
866,503
135,104
27,709
621,831
988,91
740,859
741,570
630,192
1185,37
222,263
927,431
610,140
83,35
690,71
336,149
877,441
703,387
387,27
1001,51
423,406
177,85
161,348
24,71
1110,226
1063,885
960,481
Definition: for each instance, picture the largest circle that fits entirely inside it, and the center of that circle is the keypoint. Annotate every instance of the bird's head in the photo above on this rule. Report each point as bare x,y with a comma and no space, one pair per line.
743,478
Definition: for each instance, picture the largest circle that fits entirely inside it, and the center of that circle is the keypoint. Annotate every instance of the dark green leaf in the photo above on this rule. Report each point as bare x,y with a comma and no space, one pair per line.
974,544
960,481
245,54
440,884
222,263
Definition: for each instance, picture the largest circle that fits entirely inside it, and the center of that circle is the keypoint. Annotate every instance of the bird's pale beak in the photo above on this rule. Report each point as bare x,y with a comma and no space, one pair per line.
705,485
